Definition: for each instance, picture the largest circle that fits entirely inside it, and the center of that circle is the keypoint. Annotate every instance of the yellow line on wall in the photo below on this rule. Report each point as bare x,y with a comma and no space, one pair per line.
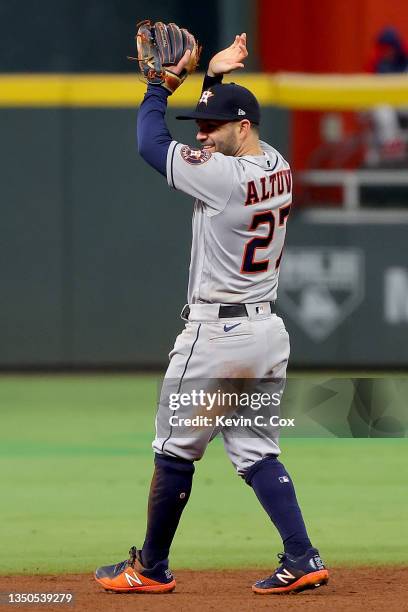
297,91
106,90
340,92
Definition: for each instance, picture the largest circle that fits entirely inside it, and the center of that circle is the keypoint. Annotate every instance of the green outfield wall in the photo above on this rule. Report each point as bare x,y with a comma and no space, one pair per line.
94,246
344,290
94,253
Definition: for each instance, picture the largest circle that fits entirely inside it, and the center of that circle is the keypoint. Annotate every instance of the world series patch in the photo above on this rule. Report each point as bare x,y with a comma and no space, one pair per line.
194,156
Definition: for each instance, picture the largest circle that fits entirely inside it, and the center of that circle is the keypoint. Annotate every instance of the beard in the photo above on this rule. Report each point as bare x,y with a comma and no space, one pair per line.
228,146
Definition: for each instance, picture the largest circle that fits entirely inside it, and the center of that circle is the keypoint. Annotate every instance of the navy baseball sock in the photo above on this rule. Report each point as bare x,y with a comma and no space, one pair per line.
169,494
274,489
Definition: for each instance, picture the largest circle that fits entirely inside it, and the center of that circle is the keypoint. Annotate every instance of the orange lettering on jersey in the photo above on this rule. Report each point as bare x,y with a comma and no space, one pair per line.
281,185
252,194
272,180
288,179
283,217
284,214
278,261
265,194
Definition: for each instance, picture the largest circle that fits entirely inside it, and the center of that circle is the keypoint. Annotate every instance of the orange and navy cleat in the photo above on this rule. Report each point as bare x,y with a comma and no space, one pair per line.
294,575
130,576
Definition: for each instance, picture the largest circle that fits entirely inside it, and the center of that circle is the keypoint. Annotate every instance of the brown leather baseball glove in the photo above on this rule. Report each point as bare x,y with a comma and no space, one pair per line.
160,47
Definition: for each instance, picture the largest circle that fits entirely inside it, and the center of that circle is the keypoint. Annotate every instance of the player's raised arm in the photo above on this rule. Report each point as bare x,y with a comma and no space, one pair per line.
167,54
225,61
229,59
226,116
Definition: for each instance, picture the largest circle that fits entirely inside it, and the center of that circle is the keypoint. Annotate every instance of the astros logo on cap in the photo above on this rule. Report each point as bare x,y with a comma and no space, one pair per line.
204,96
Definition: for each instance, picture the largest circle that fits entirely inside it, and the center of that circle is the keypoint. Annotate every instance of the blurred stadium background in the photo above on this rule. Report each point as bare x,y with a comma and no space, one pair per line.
94,252
95,247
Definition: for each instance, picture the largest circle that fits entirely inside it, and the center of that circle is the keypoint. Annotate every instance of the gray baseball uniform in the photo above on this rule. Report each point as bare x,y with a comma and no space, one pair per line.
239,225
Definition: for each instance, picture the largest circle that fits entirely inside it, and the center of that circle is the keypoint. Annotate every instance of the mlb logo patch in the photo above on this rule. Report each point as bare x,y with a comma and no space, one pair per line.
283,479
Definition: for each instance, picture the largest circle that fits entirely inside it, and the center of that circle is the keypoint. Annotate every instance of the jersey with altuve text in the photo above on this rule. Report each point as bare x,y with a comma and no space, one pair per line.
239,221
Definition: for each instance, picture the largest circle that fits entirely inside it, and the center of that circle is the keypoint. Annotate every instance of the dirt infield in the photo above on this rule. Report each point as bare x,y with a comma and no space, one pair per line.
349,589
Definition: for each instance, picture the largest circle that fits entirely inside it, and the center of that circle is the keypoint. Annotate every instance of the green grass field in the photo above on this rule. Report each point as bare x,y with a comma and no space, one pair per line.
75,469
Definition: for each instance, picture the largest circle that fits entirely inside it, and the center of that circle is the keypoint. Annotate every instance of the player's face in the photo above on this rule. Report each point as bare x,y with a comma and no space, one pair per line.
218,136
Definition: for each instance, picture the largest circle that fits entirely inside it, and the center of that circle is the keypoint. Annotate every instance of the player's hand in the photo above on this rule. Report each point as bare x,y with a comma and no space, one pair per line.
229,59
183,63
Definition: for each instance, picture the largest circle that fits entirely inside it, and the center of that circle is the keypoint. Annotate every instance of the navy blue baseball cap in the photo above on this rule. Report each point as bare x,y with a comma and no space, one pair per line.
226,102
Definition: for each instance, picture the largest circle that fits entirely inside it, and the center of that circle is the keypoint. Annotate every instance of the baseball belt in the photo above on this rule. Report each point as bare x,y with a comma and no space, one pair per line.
229,311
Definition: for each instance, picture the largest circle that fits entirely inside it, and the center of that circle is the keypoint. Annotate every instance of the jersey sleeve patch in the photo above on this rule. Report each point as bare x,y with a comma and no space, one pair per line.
194,156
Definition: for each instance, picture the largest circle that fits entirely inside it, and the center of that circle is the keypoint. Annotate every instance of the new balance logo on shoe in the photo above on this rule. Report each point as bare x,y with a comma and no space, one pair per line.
132,579
295,574
284,576
130,576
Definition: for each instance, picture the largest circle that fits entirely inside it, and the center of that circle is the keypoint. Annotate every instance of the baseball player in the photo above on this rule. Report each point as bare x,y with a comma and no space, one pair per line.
242,190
